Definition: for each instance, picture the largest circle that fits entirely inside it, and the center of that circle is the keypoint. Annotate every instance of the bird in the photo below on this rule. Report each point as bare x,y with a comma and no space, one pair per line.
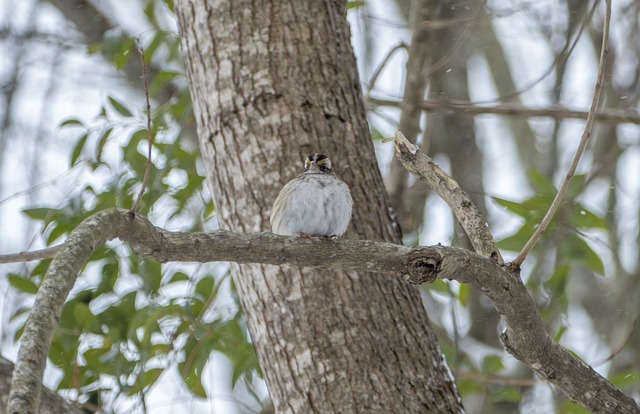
314,204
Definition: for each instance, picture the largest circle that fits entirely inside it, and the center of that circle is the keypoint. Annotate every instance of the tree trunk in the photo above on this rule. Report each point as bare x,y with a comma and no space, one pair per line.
271,82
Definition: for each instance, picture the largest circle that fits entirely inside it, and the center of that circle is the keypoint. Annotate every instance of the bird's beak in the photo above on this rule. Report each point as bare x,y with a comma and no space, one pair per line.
314,166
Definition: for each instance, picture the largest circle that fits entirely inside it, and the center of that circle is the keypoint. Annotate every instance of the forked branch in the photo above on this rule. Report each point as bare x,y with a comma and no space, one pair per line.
468,215
524,336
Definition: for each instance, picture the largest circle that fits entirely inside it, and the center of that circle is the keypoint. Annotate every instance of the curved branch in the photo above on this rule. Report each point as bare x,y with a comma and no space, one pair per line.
471,219
524,337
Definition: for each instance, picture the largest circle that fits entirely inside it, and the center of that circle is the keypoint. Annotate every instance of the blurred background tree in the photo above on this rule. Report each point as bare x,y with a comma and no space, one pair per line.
466,83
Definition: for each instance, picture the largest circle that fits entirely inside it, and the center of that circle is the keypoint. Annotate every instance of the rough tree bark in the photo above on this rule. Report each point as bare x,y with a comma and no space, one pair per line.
272,81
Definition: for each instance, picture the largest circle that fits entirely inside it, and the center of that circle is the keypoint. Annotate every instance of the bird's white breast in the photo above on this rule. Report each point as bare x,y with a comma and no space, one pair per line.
316,204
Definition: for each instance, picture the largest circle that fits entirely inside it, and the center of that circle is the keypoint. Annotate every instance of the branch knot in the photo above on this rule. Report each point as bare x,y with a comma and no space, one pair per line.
423,269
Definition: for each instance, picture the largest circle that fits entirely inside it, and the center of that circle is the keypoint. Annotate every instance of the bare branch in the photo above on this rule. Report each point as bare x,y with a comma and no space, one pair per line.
471,219
517,262
383,64
47,253
525,336
470,108
147,168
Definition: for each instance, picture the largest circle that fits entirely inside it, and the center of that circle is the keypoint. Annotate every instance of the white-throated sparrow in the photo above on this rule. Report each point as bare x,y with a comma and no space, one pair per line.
316,203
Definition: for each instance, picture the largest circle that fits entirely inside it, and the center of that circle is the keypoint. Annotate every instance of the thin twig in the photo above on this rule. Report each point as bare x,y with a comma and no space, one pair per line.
47,253
517,262
630,116
564,54
619,349
457,45
147,167
376,73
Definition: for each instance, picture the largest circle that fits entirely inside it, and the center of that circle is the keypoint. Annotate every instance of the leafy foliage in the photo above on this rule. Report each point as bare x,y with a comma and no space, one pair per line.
571,220
137,318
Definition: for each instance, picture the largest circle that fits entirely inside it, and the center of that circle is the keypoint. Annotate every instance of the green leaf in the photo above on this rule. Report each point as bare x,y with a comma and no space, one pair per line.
151,274
41,268
492,364
196,356
468,387
245,363
578,251
556,287
513,206
161,80
94,358
569,407
507,394
354,4
463,296
541,184
517,241
22,283
117,47
626,378
376,135
146,380
204,287
102,140
586,219
110,272
157,41
127,305
169,4
120,108
57,230
39,213
94,48
558,336
576,185
77,149
57,354
178,277
117,316
438,285
71,122
87,320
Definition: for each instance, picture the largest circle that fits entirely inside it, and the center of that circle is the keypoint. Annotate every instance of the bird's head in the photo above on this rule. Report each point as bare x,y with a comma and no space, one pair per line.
317,163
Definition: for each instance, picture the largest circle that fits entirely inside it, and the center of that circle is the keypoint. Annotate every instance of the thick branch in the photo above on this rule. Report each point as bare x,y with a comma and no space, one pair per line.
524,336
470,218
615,117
